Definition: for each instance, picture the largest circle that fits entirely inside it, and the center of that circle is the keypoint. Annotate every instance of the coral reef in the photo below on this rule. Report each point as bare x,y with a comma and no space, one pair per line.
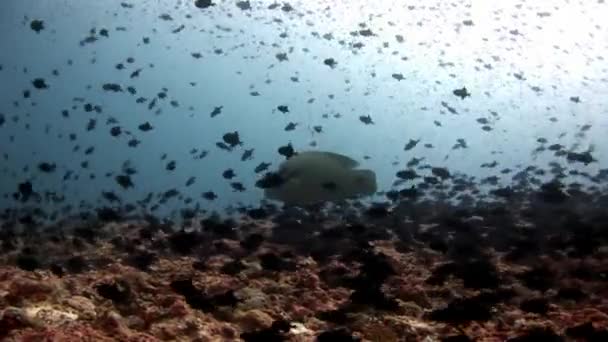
305,280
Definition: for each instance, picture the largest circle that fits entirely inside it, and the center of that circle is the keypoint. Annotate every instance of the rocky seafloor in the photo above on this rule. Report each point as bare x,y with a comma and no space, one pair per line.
436,274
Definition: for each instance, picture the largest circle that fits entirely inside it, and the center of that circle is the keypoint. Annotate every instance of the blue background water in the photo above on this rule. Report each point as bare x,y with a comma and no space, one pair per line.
562,54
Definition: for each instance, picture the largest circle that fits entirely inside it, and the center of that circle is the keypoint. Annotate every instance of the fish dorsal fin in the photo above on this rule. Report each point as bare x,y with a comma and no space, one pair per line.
342,160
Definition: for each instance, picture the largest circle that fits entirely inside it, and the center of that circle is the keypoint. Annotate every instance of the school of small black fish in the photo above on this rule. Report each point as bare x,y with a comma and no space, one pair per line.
152,109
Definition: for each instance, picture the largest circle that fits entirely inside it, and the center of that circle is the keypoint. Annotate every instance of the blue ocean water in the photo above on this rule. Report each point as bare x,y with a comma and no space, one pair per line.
122,104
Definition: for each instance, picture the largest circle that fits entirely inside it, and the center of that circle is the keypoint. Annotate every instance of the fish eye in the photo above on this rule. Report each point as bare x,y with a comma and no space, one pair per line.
329,186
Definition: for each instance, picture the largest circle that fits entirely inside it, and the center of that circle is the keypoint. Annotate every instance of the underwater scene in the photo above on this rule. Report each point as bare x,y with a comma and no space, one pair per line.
303,170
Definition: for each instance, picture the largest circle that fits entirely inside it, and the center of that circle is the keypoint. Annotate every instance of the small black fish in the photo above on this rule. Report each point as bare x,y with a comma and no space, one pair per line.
170,194
40,83
209,195
145,127
411,193
407,174
431,180
287,151
171,165
37,25
25,191
190,181
584,157
290,126
223,146
366,119
110,196
232,139
203,3
124,181
441,172
91,124
115,131
47,167
330,62
133,142
449,108
196,55
460,143
411,144
152,104
237,186
216,111
112,87
127,169
560,153
281,57
228,174
179,29
398,77
283,109
88,40
555,147
243,5
506,192
202,155
247,155
262,167
462,93
67,175
135,73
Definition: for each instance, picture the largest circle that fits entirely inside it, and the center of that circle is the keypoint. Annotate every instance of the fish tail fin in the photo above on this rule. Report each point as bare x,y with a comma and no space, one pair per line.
364,181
